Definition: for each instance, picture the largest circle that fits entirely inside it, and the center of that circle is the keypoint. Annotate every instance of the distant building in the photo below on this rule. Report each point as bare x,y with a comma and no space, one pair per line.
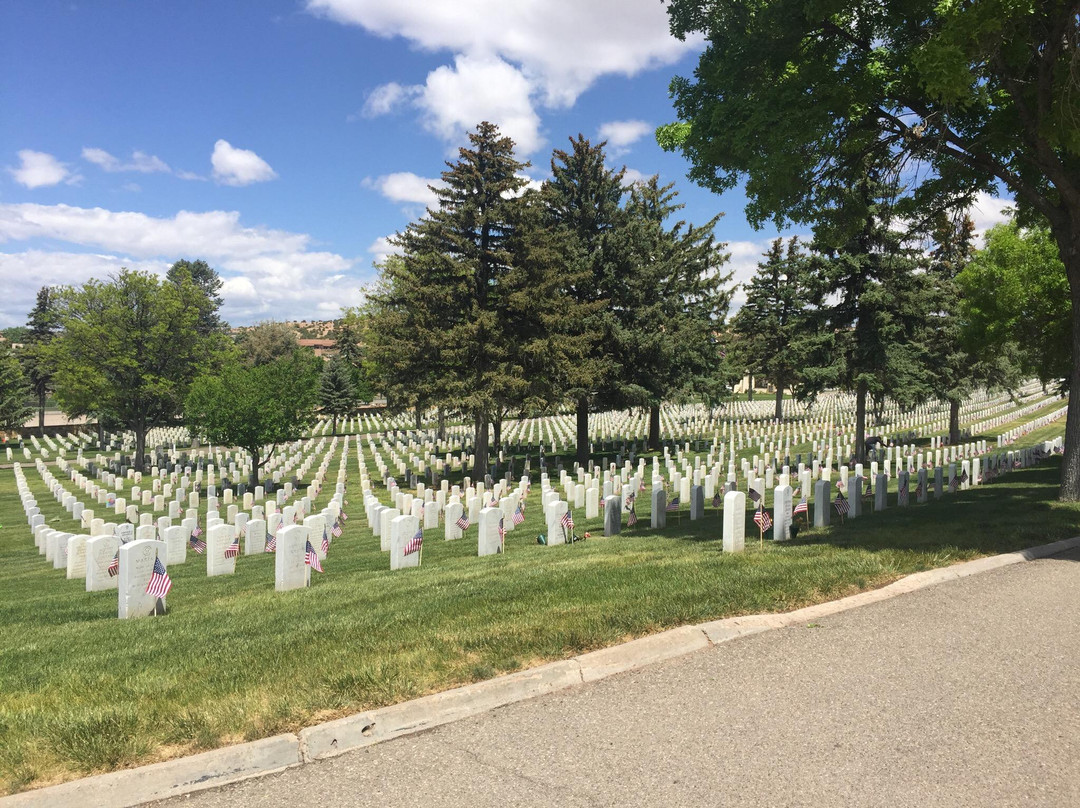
322,347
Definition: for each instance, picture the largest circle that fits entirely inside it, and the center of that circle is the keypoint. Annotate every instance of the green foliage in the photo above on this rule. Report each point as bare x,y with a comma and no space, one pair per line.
14,392
1016,301
130,347
773,334
256,406
15,334
205,278
266,342
348,333
41,327
337,393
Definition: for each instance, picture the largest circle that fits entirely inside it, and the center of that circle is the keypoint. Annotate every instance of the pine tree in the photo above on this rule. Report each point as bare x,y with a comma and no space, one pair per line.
872,303
205,278
43,323
14,392
672,305
584,201
773,338
337,393
442,311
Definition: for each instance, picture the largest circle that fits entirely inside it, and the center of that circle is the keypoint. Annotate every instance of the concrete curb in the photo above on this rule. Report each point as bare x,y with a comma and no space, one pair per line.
231,764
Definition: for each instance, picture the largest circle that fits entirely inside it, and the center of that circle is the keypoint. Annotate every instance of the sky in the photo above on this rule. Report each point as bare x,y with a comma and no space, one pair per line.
283,141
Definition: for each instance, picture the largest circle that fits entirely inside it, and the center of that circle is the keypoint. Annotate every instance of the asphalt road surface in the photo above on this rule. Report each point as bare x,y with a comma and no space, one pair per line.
960,694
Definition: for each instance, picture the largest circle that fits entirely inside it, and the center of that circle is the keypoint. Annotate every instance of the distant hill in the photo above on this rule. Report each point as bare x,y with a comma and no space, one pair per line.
305,329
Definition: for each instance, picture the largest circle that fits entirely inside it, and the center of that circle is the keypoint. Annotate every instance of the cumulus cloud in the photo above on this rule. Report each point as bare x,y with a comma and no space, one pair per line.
631,176
511,57
987,211
620,135
40,170
565,44
266,273
233,166
387,98
381,249
404,186
140,161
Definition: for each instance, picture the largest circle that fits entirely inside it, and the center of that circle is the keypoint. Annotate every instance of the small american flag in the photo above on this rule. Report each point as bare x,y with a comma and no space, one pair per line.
271,543
631,520
336,530
311,558
233,550
160,583
344,516
519,515
197,544
954,483
416,542
502,532
567,520
463,521
674,504
802,507
114,565
840,504
754,495
762,519
963,476
918,491
717,500
325,541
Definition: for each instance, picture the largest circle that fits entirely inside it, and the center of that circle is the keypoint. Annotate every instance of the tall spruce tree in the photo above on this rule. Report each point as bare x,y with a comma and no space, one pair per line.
14,392
773,338
442,311
42,325
584,201
205,278
872,303
337,393
672,308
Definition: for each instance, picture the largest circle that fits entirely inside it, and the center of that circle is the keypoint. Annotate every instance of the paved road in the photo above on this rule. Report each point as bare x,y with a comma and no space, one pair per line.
960,694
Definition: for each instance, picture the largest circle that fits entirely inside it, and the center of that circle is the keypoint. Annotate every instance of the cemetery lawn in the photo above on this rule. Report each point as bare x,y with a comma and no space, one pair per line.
82,692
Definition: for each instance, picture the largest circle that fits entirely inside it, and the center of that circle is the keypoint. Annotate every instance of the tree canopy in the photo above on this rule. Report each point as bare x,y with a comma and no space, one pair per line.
14,392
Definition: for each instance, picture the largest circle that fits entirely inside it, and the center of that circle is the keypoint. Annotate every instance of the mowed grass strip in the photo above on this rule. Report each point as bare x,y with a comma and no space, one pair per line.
83,692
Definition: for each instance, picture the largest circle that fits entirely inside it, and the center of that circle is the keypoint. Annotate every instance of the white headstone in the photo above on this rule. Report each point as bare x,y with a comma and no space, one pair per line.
290,569
402,530
488,541
136,567
100,551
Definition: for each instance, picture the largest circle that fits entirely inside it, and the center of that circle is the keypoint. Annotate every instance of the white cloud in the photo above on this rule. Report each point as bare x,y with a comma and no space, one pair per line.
39,170
620,135
510,57
387,98
987,211
381,249
631,176
140,161
481,88
404,186
233,166
565,44
266,273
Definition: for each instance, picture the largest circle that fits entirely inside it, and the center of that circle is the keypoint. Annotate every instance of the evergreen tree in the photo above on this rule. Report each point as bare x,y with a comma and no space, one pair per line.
672,306
772,335
206,279
442,311
42,326
14,392
337,393
584,202
348,334
872,303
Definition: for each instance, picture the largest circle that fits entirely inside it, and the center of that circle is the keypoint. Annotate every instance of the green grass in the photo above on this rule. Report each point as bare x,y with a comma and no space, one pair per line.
83,692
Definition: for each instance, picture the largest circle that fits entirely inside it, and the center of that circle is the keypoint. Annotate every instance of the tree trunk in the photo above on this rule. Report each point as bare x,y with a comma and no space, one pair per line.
654,428
333,426
498,432
750,387
583,431
41,412
419,417
442,424
480,465
860,423
778,412
140,448
954,421
253,478
101,432
1069,247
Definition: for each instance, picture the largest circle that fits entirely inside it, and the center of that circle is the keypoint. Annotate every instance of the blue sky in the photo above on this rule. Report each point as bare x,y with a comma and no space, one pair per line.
284,140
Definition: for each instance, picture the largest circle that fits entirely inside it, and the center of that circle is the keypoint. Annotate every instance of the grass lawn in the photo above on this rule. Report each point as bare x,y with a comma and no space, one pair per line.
83,692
